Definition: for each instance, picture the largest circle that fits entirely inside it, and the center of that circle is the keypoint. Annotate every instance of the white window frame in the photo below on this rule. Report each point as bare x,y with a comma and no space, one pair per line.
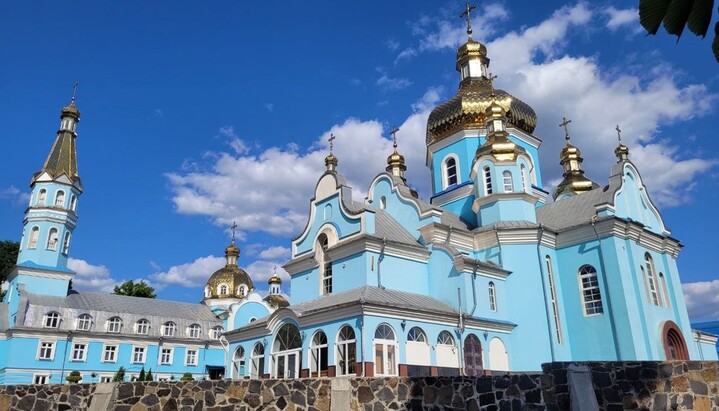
667,300
194,331
82,319
33,238
169,329
655,298
143,324
445,171
52,245
136,349
346,343
52,316
106,349
386,344
216,332
59,198
83,357
41,197
45,378
66,243
596,295
523,176
112,322
161,352
492,291
316,354
257,361
105,378
325,264
196,357
53,346
507,181
443,341
487,178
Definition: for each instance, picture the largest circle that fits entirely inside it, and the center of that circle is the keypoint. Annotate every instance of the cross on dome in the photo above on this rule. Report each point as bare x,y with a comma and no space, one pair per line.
393,133
466,14
74,90
619,133
332,142
491,77
564,124
233,227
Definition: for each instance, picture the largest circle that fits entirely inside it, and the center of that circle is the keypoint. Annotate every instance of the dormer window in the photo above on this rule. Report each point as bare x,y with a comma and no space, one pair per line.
496,125
114,325
51,320
194,331
169,329
242,291
222,289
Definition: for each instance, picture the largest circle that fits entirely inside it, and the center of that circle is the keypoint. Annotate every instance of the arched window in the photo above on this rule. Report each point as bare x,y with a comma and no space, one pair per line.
507,180
553,297
51,320
651,280
66,244
114,325
667,300
492,296
222,289
52,239
450,172
325,265
498,358
84,321
318,355
523,176
169,329
487,180
417,347
207,291
257,366
591,295
445,338
675,347
41,197
346,351
242,291
142,327
446,351
34,236
383,202
238,363
73,203
216,332
385,348
60,198
194,331
286,352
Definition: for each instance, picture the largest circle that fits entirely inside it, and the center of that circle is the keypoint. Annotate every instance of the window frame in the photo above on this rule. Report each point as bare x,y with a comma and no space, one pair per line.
553,298
110,348
487,178
45,378
52,246
59,199
654,295
111,323
507,181
386,346
40,349
138,349
41,199
33,240
142,324
161,356
492,293
81,319
53,317
83,351
194,331
343,340
596,297
195,359
216,332
169,329
446,176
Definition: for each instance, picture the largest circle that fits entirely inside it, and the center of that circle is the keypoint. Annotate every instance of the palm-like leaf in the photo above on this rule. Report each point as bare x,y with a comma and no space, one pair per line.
715,43
677,16
700,17
651,14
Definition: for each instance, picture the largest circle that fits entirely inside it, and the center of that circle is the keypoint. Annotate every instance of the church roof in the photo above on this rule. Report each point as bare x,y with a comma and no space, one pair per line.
125,305
387,227
575,210
62,158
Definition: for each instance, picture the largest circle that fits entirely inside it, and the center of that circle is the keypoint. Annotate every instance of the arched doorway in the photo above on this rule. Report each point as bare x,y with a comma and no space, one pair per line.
675,348
472,355
286,352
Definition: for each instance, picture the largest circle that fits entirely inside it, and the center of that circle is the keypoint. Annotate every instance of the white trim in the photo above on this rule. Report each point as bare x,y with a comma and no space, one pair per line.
144,354
53,348
160,352
445,176
46,376
453,195
84,351
105,350
187,355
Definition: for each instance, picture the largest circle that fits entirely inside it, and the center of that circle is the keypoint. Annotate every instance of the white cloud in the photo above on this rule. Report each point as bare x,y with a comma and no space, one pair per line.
620,18
15,195
270,107
159,113
391,44
405,54
702,299
194,274
392,83
275,253
91,277
262,270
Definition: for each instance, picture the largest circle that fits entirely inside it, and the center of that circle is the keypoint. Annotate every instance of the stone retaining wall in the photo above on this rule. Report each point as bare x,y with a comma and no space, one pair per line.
616,386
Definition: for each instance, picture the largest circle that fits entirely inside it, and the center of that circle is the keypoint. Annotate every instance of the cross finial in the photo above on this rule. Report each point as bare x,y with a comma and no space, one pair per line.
275,269
564,124
393,133
619,133
466,14
74,91
491,77
332,142
233,227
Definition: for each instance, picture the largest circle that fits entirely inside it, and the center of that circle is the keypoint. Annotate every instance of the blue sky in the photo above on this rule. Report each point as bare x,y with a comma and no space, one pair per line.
199,115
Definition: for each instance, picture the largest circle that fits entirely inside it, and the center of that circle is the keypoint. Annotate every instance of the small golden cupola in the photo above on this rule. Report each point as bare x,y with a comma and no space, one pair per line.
575,182
468,108
331,161
275,298
395,161
230,281
498,143
622,151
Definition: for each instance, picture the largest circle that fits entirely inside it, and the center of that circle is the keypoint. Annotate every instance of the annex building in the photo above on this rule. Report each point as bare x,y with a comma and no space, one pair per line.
488,275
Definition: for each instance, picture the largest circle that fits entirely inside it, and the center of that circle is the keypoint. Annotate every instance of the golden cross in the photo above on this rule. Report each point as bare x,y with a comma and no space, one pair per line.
564,125
619,134
233,227
74,91
275,268
393,133
491,79
332,142
466,14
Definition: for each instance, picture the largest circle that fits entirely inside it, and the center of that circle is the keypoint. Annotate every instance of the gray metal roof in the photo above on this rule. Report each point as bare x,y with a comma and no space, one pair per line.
574,211
387,227
507,224
126,305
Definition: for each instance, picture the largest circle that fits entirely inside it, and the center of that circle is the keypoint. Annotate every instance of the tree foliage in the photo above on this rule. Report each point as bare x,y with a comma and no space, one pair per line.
135,289
74,377
141,377
8,257
119,375
187,377
148,376
678,14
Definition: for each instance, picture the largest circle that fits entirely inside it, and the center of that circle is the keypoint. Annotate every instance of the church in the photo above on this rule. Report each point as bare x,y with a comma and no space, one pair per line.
490,275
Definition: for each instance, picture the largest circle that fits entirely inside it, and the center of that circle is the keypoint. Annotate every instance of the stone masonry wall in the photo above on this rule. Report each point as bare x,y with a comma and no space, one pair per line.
616,386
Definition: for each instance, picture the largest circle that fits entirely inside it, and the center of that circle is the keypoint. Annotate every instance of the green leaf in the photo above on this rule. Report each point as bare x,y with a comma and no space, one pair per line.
651,14
700,17
715,43
677,15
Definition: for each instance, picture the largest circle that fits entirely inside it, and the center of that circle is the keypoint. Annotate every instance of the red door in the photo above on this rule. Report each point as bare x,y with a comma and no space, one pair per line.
472,356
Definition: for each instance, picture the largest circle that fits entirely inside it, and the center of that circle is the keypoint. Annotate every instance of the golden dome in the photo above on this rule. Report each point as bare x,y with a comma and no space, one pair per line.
472,49
275,279
574,182
70,110
232,250
229,281
277,301
331,162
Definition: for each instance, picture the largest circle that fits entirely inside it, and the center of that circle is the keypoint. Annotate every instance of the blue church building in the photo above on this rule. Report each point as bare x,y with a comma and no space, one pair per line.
489,275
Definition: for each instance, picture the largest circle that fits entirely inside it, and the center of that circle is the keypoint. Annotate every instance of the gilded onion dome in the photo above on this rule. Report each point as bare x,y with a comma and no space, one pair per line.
274,298
467,109
229,281
498,144
574,182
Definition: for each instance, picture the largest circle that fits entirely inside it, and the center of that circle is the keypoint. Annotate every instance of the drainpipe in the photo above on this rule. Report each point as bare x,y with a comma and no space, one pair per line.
64,356
461,334
540,234
606,287
379,260
499,245
474,285
362,341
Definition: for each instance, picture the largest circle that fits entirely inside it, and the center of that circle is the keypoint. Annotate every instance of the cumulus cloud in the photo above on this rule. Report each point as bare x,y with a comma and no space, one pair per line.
275,253
620,18
194,274
15,195
386,82
702,300
91,277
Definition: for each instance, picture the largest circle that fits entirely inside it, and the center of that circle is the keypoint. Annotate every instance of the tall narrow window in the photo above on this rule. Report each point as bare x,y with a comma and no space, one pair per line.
591,295
66,244
241,291
52,239
73,203
492,297
34,236
507,180
450,171
318,355
326,265
665,290
651,280
347,350
523,176
60,199
41,197
257,365
238,363
487,181
385,350
553,297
